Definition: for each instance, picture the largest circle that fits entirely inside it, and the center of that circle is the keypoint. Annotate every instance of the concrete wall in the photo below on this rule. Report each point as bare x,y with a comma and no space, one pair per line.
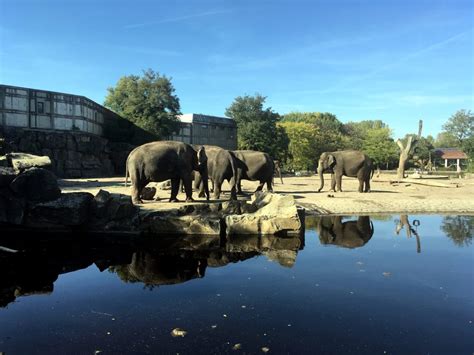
73,154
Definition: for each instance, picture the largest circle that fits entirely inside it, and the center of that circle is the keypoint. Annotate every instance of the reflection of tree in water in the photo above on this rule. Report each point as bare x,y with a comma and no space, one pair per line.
459,229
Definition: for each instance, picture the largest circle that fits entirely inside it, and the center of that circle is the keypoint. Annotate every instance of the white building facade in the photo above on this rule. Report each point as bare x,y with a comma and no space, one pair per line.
205,129
46,110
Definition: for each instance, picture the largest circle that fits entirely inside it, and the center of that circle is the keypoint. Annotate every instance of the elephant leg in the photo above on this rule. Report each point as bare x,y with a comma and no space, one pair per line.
239,188
367,185
174,189
136,194
233,192
188,188
217,189
339,182
361,185
333,182
269,185
198,185
137,187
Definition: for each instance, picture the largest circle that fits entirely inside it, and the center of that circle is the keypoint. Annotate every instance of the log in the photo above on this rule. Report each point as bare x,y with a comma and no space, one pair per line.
418,182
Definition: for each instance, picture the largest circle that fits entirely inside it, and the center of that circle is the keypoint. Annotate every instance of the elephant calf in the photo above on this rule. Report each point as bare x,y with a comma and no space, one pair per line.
163,160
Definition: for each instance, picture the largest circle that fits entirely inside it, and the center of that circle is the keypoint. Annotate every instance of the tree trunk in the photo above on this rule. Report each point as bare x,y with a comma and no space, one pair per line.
406,151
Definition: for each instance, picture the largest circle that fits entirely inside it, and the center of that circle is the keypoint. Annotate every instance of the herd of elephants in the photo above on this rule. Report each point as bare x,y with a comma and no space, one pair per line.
183,163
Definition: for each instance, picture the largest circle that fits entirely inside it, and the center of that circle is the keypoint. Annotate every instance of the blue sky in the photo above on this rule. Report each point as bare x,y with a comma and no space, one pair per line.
397,61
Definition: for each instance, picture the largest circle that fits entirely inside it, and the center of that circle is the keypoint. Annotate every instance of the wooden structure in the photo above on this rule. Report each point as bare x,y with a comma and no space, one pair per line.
450,154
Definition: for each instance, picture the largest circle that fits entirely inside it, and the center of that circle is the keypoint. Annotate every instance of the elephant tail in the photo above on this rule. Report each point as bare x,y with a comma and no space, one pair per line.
126,172
234,176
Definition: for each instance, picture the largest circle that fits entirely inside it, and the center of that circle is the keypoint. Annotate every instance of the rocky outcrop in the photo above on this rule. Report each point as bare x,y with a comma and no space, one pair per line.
69,210
268,214
191,219
114,212
22,161
36,184
32,198
275,214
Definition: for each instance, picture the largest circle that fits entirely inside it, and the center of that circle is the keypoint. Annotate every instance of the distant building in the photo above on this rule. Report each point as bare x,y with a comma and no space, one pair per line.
450,154
54,111
204,129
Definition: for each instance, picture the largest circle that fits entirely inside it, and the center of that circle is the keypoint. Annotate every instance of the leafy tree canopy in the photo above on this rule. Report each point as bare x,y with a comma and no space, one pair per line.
446,140
356,132
380,146
304,148
324,121
460,126
147,101
256,126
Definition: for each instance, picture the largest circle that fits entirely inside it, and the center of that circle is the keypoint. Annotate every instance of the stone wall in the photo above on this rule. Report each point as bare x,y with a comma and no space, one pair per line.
73,155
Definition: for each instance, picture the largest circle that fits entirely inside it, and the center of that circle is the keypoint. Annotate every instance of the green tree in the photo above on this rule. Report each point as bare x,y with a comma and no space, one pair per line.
446,140
423,152
257,126
460,126
355,133
148,101
303,145
329,128
380,146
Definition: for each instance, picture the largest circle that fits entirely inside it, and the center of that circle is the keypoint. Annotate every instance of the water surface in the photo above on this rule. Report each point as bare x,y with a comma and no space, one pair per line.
392,284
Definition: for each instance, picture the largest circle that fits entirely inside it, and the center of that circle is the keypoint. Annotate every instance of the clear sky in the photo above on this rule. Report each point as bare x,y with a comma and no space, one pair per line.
397,61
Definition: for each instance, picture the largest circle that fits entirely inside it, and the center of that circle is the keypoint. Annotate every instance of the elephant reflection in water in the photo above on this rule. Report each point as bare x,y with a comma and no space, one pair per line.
155,270
349,234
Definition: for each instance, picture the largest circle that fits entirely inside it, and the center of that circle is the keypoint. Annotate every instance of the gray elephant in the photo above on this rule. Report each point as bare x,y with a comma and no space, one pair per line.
253,165
221,165
163,160
349,234
352,163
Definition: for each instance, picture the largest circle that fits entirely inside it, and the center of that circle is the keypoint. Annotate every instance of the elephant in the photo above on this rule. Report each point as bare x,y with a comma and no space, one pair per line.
349,234
163,160
352,163
221,165
253,165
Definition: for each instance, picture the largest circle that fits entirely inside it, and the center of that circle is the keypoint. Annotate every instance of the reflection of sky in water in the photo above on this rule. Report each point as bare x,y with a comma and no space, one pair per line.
383,296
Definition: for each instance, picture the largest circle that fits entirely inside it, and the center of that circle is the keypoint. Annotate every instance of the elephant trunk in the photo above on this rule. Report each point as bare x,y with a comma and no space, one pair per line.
320,173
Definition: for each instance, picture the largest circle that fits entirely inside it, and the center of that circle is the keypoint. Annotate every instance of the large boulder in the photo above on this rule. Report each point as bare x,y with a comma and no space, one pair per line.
12,208
185,221
71,209
276,214
36,184
7,175
114,212
22,161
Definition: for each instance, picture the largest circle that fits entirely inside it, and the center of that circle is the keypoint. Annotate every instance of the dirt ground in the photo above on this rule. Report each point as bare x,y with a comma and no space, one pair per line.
384,197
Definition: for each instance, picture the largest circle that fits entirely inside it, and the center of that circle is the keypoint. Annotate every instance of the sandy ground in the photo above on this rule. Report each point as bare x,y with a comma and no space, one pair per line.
384,197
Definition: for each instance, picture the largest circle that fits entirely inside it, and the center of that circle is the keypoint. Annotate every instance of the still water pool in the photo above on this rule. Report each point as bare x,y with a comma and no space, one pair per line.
390,284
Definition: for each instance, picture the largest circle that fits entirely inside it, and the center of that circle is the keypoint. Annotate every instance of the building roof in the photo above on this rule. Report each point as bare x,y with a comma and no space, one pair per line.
200,118
451,153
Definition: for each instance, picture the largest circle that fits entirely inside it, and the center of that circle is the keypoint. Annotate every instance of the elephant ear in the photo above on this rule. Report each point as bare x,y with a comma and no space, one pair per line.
331,160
